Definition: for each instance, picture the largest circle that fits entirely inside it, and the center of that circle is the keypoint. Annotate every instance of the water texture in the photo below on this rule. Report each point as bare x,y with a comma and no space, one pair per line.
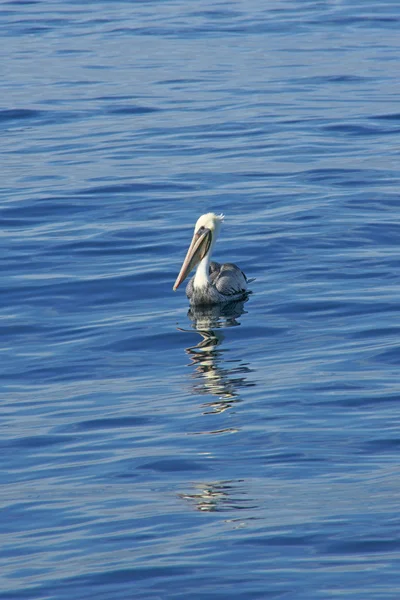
243,453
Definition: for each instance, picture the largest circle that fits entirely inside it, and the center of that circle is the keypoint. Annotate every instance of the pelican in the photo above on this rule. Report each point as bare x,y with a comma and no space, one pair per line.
213,283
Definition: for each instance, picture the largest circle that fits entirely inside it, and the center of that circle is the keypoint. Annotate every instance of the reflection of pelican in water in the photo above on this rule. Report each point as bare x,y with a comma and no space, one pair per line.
213,283
218,496
216,316
215,379
222,378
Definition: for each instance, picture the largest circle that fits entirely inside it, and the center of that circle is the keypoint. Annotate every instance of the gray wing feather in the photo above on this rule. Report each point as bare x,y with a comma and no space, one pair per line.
230,280
215,269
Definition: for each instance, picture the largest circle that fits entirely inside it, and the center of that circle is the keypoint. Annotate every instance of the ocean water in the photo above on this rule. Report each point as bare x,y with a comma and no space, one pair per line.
249,451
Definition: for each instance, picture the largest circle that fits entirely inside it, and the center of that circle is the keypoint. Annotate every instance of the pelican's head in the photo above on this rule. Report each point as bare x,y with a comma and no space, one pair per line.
205,233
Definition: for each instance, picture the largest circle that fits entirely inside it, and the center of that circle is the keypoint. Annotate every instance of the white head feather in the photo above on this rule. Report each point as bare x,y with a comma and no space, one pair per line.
209,221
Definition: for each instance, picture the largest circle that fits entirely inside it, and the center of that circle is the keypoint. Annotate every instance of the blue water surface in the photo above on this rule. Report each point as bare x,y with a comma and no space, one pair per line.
243,453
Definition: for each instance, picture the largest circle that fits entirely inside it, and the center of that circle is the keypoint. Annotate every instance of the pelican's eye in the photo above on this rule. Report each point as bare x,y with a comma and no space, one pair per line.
201,230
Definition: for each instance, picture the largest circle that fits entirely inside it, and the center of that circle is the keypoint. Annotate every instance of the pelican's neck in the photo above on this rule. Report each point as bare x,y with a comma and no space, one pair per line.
202,277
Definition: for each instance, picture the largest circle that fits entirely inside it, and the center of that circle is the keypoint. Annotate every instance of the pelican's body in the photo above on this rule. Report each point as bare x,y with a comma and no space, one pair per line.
213,283
227,283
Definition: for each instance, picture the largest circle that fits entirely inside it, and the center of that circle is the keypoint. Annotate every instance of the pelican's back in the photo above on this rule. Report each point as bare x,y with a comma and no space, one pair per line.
230,280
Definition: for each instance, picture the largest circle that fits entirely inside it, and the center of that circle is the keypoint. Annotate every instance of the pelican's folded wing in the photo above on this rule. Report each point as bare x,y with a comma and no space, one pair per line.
230,281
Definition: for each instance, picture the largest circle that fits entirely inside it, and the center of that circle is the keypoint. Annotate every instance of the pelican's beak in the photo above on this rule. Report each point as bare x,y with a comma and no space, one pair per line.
198,248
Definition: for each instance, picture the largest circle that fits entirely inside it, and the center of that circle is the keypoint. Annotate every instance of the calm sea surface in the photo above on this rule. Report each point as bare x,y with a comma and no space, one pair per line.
246,453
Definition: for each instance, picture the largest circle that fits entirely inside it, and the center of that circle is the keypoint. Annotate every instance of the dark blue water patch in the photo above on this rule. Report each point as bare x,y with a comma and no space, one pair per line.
19,216
289,458
343,176
178,82
14,515
374,20
282,540
91,292
117,584
115,247
132,110
387,117
31,178
35,441
75,370
376,202
377,332
355,129
19,552
72,52
131,576
57,118
144,342
109,423
51,468
38,117
125,477
237,127
324,308
21,2
335,386
262,331
34,26
254,591
362,547
368,269
213,28
17,114
174,465
328,79
319,308
382,234
60,205
116,98
218,13
382,446
75,83
34,593
354,269
390,357
60,117
98,67
135,187
259,175
368,400
17,329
